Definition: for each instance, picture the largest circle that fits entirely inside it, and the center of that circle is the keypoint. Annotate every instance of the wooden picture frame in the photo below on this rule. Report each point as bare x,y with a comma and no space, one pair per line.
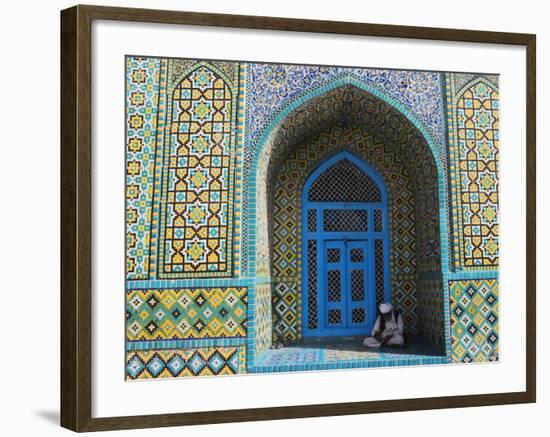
76,217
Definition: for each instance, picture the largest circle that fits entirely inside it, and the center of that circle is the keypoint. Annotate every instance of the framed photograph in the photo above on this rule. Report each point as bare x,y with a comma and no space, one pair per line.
267,218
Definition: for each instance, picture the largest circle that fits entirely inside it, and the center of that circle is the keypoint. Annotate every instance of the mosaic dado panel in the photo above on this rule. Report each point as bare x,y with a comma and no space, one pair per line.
431,304
475,320
190,313
186,362
286,250
473,118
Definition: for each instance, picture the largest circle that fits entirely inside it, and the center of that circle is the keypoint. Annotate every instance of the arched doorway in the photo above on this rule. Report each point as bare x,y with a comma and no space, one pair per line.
300,139
344,247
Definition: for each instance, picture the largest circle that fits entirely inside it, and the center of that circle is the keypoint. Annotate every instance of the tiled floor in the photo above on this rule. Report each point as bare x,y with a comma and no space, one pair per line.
343,353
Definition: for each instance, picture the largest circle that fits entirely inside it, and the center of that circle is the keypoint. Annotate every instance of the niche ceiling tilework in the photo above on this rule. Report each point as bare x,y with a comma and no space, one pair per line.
271,88
287,224
350,104
475,320
474,142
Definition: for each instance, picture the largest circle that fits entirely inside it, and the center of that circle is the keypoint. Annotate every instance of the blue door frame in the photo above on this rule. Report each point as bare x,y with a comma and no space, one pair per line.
342,285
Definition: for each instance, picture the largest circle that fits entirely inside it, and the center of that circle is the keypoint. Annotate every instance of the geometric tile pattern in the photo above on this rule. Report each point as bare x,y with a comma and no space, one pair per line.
183,141
314,357
197,233
430,308
272,87
263,267
286,317
263,318
348,104
184,134
474,320
142,87
191,138
287,223
474,155
187,362
189,313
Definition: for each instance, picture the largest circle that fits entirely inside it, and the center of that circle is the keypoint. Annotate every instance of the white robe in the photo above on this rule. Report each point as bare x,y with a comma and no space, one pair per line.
394,330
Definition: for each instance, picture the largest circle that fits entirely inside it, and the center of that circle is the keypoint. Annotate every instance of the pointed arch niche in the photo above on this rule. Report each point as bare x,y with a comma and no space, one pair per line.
347,118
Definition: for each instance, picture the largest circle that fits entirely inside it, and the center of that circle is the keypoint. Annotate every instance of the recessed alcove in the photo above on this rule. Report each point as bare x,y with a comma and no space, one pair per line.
343,175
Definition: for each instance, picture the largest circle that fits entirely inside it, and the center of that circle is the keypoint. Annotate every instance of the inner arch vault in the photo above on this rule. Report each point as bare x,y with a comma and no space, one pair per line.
351,117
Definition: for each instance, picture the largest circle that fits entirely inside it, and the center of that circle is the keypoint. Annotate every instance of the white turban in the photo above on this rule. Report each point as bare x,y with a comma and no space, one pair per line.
385,308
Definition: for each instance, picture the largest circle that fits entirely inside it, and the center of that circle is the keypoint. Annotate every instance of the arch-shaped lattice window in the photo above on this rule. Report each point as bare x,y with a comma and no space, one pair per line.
344,181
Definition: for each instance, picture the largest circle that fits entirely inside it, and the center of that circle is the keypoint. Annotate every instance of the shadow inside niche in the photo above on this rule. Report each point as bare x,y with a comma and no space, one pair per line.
413,346
50,416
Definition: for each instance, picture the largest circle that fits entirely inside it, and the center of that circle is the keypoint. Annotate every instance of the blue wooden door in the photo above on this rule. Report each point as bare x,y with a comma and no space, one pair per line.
345,248
360,292
334,285
348,288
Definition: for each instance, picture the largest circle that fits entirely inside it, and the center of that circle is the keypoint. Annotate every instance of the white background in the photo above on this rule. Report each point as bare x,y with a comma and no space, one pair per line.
30,187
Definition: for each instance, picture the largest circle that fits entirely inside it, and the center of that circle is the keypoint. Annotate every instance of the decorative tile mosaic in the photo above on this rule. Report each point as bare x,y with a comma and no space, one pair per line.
473,117
188,362
263,318
189,313
142,94
287,223
475,320
460,80
197,234
431,303
272,88
286,308
217,153
303,357
350,105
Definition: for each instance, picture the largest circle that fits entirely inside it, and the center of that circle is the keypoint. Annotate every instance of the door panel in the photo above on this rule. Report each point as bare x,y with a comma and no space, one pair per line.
358,261
347,290
335,284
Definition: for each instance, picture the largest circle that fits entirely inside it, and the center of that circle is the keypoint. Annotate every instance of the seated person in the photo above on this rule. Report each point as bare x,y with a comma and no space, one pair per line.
388,328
